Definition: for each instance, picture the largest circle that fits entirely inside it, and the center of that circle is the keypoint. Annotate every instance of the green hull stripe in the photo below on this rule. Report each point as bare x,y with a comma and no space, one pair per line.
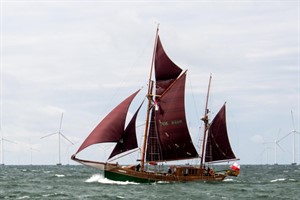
123,177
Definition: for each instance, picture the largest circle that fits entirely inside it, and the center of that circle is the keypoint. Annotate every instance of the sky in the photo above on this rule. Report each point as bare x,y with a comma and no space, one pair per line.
82,58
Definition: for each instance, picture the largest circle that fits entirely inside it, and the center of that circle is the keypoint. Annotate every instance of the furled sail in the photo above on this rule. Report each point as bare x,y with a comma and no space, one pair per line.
218,146
111,128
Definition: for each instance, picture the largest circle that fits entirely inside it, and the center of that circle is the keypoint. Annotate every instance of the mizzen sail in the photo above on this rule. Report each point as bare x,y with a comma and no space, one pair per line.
218,146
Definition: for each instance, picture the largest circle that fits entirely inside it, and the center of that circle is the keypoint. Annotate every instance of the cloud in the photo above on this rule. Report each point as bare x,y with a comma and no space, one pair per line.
258,139
83,58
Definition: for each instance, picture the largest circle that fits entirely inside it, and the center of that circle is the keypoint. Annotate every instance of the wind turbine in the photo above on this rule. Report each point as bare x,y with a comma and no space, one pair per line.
2,147
31,149
2,139
276,143
294,132
59,133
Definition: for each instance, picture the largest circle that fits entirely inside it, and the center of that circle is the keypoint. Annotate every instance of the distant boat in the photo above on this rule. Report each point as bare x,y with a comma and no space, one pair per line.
166,136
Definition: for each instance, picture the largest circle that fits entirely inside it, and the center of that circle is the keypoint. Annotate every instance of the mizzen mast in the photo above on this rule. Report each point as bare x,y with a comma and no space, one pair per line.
205,120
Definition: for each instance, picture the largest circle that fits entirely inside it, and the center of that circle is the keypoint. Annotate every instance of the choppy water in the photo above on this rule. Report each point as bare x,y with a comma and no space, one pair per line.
79,182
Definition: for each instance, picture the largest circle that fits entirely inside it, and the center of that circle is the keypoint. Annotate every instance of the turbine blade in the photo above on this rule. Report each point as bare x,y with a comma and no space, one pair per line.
48,135
280,147
278,134
9,141
293,120
66,138
60,124
284,136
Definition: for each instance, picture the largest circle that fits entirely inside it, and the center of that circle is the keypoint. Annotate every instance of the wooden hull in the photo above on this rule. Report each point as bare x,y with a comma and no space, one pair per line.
129,173
119,174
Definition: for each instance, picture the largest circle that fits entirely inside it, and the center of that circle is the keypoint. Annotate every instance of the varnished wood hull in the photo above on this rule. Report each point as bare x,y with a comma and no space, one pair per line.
129,173
119,174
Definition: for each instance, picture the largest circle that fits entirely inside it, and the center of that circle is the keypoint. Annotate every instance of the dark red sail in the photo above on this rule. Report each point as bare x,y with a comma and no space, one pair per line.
171,126
111,128
165,68
218,146
128,140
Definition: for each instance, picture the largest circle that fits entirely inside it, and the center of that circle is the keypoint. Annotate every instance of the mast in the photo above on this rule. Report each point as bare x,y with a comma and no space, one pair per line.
205,120
149,96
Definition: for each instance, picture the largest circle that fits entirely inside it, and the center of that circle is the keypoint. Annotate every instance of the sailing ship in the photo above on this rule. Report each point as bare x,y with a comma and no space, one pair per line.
166,136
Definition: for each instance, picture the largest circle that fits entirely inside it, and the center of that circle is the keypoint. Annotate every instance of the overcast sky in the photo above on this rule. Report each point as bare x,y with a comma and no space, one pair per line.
84,57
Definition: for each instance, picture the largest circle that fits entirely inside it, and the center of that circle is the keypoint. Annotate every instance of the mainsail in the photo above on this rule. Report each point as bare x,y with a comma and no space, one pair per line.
218,146
112,129
168,137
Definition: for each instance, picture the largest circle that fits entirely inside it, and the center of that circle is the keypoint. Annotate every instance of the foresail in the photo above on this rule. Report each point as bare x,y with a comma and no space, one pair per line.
218,146
174,138
128,140
111,128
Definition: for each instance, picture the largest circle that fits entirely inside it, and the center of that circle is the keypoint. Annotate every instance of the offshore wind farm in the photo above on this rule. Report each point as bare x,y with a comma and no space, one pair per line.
291,141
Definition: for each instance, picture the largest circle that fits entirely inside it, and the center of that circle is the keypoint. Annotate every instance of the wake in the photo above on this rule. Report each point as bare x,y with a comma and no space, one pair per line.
101,179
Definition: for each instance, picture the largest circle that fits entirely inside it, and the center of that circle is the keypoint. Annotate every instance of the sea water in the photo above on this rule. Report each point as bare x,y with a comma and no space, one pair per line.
80,182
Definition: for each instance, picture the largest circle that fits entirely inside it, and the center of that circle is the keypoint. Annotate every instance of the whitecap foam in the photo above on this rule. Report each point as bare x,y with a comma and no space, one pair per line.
101,179
59,175
228,180
24,197
162,182
276,180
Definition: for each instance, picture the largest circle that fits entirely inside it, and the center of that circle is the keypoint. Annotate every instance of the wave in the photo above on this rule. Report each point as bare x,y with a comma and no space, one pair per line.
59,175
101,179
228,180
24,197
277,180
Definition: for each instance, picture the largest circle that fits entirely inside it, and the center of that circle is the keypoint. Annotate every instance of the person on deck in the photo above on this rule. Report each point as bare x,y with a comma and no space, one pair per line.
137,168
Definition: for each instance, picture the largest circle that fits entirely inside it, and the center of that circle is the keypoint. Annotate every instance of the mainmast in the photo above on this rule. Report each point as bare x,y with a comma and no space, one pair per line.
205,120
149,96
